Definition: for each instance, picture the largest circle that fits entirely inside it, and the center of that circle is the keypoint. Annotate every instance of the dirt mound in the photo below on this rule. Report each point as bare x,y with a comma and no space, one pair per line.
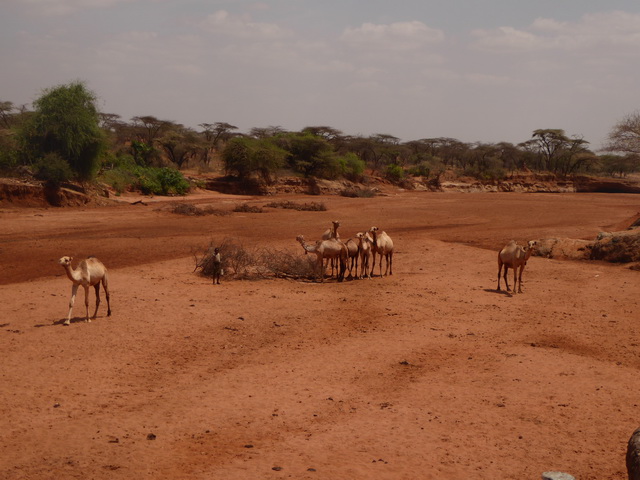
23,193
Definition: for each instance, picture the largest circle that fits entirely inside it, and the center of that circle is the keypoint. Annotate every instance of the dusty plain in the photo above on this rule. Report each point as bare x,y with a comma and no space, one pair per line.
429,373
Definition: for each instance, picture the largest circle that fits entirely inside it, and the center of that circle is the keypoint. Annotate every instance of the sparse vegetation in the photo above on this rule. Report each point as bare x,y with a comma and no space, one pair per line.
246,208
358,192
307,207
192,210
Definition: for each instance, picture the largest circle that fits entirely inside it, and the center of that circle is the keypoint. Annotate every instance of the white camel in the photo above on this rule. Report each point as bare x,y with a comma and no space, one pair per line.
365,243
331,249
382,245
89,273
514,256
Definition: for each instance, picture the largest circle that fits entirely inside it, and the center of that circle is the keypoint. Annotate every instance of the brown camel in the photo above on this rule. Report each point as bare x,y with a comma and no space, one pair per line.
382,245
514,256
332,249
365,244
352,254
89,273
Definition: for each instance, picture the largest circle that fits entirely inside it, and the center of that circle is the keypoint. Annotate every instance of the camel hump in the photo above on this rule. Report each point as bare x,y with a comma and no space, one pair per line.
633,456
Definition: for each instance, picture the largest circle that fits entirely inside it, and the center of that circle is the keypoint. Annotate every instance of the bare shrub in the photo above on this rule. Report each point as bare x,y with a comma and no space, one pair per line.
190,209
283,264
358,192
308,207
246,208
239,262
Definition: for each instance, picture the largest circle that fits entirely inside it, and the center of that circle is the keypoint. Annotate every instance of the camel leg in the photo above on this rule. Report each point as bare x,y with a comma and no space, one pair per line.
74,291
499,272
97,287
506,283
86,301
372,270
515,278
520,279
105,285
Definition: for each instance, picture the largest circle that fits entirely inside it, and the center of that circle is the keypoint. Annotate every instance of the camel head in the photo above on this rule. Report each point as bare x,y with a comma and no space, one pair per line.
300,238
528,250
65,261
336,224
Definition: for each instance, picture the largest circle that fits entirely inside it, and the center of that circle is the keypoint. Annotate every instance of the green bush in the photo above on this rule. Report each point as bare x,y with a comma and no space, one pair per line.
172,182
420,170
53,169
119,179
394,172
352,166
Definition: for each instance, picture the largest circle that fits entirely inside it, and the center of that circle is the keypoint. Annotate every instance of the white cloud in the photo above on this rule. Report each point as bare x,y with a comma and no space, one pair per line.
66,7
395,36
616,29
241,27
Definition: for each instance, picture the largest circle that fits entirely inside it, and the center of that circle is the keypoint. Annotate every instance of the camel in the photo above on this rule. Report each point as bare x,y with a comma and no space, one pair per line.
332,232
328,235
89,273
352,255
633,456
365,243
514,256
382,245
332,249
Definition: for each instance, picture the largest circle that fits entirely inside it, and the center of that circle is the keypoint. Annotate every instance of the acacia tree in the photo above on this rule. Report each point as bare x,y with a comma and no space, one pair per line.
214,134
65,125
6,109
625,136
559,153
180,144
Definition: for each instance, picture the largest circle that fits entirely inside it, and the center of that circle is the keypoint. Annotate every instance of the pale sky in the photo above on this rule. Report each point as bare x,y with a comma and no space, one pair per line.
475,70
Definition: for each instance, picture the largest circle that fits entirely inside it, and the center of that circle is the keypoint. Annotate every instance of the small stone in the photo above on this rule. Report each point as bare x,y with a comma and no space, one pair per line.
277,469
557,476
151,436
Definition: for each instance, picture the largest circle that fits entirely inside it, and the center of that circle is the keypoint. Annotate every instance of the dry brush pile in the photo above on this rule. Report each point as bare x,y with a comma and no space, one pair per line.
241,262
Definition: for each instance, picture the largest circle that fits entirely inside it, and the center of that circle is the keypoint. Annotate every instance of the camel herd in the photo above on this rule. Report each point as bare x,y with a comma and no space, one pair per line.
362,248
342,256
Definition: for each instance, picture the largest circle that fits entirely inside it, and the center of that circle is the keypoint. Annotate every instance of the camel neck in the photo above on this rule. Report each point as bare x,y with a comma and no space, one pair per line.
70,273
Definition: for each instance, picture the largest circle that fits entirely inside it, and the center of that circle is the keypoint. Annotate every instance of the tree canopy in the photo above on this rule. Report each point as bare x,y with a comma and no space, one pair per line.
65,122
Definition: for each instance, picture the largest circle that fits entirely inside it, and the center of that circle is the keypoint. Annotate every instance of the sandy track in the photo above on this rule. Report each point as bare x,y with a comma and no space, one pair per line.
429,373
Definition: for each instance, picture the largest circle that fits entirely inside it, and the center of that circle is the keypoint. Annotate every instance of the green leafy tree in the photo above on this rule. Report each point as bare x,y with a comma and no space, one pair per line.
244,156
65,122
310,154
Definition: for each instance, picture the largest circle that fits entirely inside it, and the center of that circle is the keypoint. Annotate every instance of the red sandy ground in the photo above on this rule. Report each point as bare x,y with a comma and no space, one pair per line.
430,373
